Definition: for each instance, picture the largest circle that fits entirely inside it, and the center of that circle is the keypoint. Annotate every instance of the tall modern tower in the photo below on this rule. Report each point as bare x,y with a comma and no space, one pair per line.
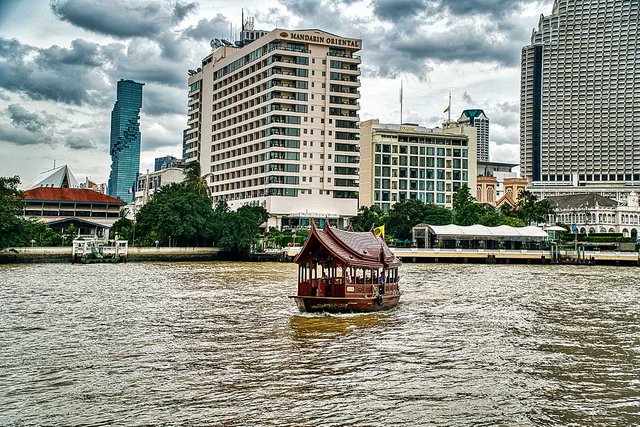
580,96
480,121
274,122
125,140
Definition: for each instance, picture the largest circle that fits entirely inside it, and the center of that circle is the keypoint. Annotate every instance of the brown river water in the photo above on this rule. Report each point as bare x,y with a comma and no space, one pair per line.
222,344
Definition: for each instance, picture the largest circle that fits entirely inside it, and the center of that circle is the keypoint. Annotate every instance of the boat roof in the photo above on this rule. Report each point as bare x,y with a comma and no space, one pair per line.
354,249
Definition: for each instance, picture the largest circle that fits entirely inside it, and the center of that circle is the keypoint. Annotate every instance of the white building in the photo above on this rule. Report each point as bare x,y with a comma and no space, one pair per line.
151,182
592,213
271,121
60,177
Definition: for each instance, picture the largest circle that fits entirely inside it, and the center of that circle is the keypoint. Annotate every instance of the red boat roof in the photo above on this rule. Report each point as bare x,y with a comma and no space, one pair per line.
356,249
69,195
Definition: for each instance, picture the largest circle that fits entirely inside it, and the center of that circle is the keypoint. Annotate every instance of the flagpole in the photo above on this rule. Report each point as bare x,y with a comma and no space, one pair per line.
449,106
400,101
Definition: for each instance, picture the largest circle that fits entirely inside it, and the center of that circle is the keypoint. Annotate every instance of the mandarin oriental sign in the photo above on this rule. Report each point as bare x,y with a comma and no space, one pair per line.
334,41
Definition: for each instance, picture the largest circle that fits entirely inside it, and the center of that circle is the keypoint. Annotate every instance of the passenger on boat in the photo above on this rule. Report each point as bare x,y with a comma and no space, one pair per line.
381,282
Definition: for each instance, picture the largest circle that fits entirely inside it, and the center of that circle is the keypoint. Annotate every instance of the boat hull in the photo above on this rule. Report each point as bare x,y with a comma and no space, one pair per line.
313,304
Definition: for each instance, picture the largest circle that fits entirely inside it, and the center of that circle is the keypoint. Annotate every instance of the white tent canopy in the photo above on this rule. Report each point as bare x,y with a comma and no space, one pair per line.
483,232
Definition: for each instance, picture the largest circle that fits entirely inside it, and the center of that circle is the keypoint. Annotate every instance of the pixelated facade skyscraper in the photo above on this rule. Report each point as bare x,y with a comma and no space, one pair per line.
125,140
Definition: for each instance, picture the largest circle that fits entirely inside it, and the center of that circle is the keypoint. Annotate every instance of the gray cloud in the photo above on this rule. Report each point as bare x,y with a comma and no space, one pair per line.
79,142
206,29
160,99
20,117
122,18
398,10
80,75
32,128
26,128
22,136
71,76
413,40
467,98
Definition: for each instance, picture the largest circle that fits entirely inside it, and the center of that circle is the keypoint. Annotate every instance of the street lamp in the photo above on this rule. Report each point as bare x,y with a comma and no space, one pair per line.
169,241
32,242
157,242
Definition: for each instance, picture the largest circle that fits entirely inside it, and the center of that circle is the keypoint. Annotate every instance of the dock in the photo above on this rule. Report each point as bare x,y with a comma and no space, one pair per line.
507,256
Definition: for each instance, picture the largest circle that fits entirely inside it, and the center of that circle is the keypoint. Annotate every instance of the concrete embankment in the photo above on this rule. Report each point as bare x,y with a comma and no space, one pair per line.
63,254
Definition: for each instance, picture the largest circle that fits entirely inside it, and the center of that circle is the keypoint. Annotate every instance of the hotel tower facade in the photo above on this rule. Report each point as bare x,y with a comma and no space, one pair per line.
580,96
274,123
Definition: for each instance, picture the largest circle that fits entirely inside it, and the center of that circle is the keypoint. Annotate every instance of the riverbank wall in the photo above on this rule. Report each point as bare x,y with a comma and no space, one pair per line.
64,254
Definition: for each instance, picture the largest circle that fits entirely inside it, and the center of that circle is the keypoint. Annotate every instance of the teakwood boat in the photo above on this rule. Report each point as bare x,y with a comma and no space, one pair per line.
345,271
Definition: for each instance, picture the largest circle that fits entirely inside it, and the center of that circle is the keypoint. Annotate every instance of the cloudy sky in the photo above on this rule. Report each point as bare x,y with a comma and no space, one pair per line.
60,61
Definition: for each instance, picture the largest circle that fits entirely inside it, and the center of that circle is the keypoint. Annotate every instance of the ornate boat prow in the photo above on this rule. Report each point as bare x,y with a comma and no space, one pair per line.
345,271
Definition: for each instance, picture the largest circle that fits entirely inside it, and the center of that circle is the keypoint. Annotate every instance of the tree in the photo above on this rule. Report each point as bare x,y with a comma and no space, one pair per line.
123,227
465,210
10,207
193,178
366,218
531,210
239,232
403,216
435,215
179,212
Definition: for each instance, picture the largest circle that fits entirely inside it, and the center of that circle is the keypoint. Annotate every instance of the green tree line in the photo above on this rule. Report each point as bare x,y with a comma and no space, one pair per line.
405,215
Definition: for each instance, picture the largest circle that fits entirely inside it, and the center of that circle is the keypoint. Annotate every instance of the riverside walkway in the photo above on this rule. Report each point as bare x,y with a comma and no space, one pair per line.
506,256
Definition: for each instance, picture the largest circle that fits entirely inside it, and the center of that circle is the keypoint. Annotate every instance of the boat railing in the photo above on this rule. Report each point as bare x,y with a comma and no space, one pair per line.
334,287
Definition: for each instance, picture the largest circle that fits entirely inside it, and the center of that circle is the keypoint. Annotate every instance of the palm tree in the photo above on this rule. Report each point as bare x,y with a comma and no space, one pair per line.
193,178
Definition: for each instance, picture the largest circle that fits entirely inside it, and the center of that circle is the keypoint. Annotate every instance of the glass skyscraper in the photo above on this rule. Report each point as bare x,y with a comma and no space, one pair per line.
125,140
580,95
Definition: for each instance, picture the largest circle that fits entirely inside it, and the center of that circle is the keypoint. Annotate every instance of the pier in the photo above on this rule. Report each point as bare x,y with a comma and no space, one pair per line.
508,256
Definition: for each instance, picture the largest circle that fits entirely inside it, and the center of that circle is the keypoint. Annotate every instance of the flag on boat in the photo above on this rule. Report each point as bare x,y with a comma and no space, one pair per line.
379,231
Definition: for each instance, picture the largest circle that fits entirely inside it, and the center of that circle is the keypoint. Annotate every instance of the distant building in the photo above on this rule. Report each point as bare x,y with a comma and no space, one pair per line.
100,188
92,213
579,102
499,191
592,213
271,121
125,140
480,121
494,179
60,177
167,162
400,162
487,168
151,182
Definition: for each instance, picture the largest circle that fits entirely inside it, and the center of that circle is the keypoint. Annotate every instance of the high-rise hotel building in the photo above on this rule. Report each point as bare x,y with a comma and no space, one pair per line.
580,96
274,123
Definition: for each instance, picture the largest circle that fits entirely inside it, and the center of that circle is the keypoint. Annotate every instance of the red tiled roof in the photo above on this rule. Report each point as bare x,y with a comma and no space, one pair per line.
69,195
355,249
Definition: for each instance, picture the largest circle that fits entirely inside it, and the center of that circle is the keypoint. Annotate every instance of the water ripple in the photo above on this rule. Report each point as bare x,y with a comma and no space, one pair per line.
222,344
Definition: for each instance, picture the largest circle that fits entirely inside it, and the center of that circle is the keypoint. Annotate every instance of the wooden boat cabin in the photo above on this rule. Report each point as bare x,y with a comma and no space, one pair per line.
345,271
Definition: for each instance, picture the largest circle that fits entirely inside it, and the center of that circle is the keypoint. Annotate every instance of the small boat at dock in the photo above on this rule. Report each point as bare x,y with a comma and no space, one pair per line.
346,272
92,251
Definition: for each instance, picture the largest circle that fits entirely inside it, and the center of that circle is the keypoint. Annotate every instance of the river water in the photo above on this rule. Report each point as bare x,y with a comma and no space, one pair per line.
221,344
